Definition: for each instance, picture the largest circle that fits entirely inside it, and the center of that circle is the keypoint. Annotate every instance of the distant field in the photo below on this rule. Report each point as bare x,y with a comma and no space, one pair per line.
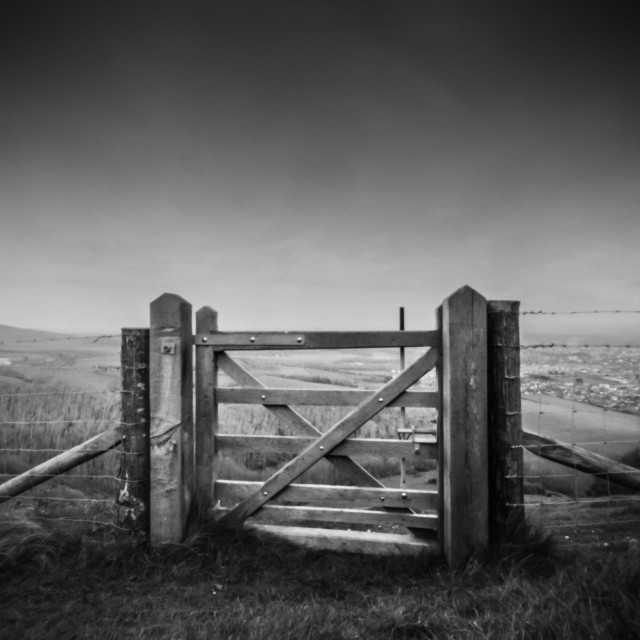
86,363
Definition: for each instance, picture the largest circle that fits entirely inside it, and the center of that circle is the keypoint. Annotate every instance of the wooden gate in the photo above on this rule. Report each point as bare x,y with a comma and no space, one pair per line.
452,518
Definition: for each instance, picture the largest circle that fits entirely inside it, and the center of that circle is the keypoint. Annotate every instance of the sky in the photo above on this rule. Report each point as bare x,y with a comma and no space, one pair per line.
316,164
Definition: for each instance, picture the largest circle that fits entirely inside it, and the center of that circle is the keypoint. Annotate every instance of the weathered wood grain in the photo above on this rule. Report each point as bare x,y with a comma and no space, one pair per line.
134,475
206,424
320,397
230,491
348,447
464,439
260,340
171,405
280,514
506,486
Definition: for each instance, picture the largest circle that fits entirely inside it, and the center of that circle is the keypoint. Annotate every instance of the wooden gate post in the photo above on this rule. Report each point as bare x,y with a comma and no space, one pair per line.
462,426
506,486
171,407
206,411
133,476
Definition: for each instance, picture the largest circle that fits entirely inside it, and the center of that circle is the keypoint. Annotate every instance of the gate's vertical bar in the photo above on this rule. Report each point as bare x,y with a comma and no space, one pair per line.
171,407
463,433
403,411
133,476
206,411
505,420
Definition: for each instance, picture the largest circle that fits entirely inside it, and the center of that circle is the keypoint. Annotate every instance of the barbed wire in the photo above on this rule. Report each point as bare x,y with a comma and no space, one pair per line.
572,313
560,345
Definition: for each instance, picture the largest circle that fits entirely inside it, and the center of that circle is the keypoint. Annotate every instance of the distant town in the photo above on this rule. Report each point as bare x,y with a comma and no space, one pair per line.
607,377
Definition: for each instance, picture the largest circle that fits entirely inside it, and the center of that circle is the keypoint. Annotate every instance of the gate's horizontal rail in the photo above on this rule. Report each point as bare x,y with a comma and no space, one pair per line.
281,514
320,397
351,446
246,340
360,542
333,496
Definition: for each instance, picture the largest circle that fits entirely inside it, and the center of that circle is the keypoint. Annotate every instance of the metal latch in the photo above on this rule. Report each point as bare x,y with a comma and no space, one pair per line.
168,346
423,435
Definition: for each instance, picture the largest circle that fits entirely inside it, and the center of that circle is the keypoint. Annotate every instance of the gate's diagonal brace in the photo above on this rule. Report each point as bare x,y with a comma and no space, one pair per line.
343,429
351,469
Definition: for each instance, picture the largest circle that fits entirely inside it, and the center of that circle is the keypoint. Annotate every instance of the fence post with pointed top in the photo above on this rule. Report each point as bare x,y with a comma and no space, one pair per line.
462,428
171,409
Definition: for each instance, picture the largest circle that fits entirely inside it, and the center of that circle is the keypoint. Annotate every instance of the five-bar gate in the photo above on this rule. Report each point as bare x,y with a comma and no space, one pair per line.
185,454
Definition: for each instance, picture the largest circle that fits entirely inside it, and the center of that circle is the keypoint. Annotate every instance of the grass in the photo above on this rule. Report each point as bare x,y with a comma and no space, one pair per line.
40,424
232,585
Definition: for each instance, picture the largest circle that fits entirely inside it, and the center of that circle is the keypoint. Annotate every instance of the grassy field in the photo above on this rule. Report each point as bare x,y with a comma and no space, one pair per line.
231,585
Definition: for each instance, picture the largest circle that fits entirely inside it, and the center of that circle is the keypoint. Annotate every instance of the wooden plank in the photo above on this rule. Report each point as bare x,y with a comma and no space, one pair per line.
246,340
343,429
464,441
506,485
349,447
171,404
369,543
206,425
133,476
65,461
333,496
320,397
570,455
275,514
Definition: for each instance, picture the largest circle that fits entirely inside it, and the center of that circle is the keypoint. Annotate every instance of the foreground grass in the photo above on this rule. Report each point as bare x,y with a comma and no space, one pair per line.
234,586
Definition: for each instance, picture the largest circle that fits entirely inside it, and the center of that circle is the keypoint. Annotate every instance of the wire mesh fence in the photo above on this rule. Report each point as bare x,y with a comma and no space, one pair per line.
38,426
585,395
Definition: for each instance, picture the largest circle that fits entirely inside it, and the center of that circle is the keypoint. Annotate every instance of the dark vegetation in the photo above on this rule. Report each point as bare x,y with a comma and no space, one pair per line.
233,585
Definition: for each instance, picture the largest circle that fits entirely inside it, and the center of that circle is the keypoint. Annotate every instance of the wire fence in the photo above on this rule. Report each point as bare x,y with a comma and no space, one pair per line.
37,426
584,394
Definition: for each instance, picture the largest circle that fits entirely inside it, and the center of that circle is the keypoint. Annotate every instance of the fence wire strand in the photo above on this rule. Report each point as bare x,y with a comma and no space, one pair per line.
36,427
579,511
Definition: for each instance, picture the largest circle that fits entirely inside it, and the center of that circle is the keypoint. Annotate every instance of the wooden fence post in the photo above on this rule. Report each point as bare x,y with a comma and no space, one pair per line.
463,426
206,411
171,407
133,476
506,486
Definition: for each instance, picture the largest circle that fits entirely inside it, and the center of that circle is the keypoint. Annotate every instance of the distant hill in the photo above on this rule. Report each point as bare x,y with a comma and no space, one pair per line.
17,334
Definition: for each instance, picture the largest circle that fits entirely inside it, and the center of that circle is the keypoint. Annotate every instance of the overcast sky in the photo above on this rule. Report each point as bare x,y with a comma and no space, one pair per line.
317,164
